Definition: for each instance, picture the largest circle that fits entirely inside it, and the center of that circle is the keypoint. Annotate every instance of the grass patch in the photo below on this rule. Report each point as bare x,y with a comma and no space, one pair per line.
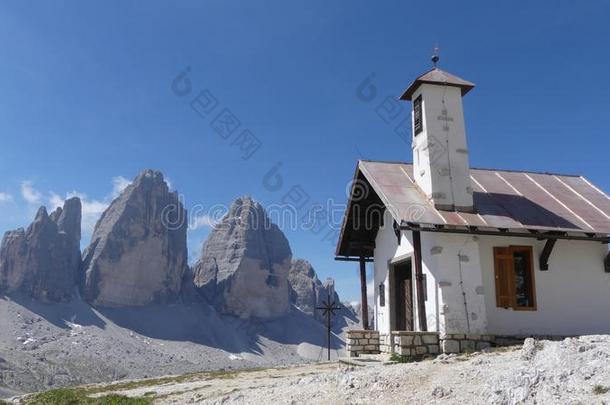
600,389
130,385
81,395
403,358
78,396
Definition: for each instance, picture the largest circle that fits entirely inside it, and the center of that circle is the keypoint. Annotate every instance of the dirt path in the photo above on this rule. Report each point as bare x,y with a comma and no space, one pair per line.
572,371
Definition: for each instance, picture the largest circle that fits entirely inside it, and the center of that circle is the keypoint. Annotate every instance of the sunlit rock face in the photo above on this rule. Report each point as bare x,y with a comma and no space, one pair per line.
138,252
307,292
244,265
43,262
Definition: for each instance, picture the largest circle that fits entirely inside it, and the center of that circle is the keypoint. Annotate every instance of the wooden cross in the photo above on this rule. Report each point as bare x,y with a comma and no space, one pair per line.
328,309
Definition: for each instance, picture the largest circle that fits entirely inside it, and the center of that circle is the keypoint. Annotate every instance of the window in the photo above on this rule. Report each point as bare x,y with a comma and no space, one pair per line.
417,116
515,287
381,295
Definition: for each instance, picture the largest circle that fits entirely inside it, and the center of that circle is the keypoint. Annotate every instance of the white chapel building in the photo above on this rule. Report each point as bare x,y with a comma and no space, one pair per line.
467,253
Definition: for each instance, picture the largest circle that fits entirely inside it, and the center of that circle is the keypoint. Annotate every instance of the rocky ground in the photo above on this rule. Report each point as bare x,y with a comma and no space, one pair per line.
572,371
45,346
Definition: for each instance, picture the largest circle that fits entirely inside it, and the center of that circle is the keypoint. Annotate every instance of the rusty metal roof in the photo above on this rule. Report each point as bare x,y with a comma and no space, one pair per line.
438,76
506,200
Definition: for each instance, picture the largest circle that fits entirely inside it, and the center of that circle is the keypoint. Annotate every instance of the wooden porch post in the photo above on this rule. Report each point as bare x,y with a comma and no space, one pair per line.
419,284
364,306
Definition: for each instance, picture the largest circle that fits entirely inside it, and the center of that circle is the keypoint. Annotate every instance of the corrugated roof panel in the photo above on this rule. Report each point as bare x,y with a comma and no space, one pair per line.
491,182
453,218
502,199
592,194
541,208
566,197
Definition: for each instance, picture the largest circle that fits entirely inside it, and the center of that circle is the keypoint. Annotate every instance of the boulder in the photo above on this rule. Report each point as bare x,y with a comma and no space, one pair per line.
307,291
244,265
43,262
138,253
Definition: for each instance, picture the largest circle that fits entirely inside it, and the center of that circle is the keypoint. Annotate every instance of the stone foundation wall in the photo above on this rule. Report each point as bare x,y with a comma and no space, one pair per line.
415,343
386,345
460,343
362,342
426,343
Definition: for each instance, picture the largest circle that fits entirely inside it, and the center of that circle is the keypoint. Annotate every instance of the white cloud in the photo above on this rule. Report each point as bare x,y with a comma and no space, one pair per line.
170,186
202,221
29,193
55,201
5,197
119,183
91,211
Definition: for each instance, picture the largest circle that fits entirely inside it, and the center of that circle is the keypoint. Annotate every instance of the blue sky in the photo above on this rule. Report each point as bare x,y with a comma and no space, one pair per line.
86,96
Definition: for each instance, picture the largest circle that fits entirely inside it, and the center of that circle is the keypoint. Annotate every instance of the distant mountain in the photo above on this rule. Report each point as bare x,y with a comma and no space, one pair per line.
244,264
307,292
43,262
245,302
138,253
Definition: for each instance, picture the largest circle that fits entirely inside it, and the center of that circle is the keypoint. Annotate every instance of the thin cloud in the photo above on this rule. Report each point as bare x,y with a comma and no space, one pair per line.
29,193
202,221
119,183
5,197
92,209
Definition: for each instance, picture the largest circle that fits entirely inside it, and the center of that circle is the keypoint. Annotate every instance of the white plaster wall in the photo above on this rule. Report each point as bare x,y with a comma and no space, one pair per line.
455,286
386,248
573,296
445,310
438,152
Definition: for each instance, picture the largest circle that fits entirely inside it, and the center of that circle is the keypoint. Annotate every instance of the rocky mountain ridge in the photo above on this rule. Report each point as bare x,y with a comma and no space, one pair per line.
138,256
44,261
244,264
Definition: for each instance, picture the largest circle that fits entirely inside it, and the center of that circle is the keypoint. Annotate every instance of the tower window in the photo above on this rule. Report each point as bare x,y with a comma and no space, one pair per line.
417,116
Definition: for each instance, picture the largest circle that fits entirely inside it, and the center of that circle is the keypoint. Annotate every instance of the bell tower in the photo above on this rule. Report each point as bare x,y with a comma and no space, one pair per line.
440,154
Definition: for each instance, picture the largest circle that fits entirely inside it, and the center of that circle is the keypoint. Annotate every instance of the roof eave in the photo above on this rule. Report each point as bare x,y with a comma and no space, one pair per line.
408,94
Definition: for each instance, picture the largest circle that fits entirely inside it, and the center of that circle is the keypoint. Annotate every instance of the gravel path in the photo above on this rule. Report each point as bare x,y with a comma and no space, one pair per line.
573,371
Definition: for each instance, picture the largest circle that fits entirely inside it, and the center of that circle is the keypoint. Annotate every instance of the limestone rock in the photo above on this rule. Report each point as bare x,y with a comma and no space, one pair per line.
244,265
138,253
43,262
307,291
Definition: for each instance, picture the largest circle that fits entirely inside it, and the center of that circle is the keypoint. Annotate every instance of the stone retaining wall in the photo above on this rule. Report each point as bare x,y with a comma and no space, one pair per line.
425,343
362,342
460,343
415,343
386,345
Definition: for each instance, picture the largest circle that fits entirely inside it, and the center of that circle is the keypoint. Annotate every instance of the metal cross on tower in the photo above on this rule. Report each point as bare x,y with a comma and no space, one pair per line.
328,309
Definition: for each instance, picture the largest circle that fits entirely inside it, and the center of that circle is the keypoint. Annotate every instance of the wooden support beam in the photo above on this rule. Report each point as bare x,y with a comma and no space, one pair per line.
352,259
396,232
546,253
607,263
364,306
419,282
505,232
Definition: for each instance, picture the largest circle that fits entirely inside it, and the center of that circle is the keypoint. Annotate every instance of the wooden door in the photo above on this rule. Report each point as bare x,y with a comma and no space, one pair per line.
403,297
408,303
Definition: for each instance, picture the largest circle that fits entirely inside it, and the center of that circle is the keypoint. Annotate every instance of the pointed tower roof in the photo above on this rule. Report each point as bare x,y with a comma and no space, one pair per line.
437,76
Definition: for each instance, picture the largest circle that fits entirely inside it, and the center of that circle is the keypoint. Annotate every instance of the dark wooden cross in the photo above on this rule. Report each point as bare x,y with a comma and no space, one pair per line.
328,309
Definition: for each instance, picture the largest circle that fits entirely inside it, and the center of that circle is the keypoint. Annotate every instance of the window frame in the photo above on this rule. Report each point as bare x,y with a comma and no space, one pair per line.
418,108
512,297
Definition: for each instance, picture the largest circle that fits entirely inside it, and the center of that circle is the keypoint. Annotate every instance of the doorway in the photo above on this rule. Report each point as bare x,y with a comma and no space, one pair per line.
402,299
